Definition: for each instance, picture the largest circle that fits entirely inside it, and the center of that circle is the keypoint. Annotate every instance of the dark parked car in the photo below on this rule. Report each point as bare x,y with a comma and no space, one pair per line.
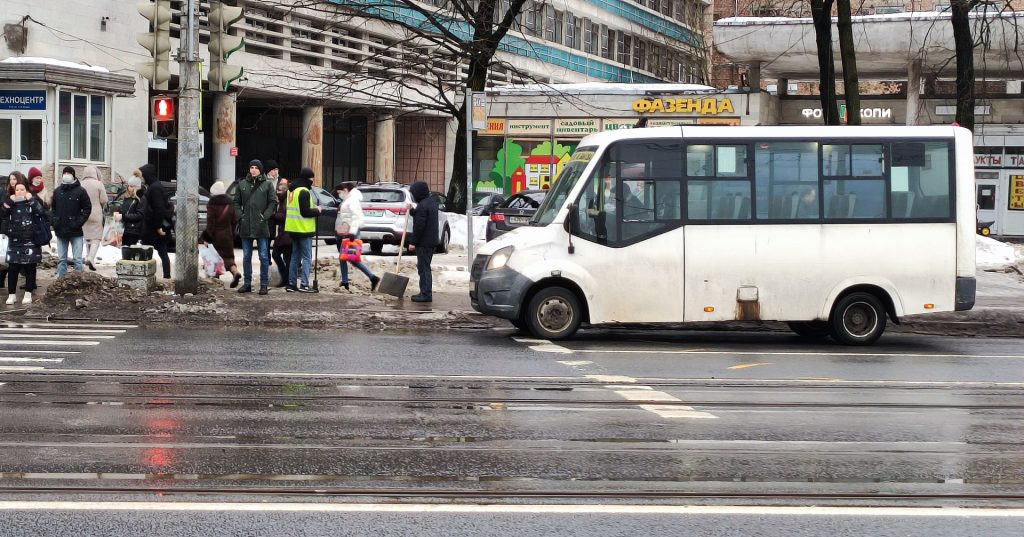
514,212
484,203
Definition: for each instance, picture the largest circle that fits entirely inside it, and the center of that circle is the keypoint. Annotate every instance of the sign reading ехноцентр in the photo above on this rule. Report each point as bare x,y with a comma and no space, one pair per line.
22,99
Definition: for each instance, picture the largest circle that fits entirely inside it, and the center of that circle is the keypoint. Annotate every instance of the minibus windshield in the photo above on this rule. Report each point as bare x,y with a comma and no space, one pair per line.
563,185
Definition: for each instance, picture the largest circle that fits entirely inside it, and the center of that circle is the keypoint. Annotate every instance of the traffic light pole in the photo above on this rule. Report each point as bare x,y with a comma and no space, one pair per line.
186,270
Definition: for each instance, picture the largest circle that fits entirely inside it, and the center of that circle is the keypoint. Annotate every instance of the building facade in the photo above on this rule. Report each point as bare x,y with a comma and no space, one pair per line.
354,98
914,52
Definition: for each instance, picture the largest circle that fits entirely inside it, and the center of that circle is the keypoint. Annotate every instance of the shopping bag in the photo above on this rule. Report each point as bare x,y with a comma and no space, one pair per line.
3,248
351,250
213,263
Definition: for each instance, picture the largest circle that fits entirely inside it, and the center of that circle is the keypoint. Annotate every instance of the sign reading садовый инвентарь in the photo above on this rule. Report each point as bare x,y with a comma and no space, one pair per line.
22,99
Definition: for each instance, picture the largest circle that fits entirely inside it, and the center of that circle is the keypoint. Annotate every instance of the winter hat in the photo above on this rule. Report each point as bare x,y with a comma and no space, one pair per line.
148,172
271,165
69,169
217,189
306,174
34,172
257,163
135,182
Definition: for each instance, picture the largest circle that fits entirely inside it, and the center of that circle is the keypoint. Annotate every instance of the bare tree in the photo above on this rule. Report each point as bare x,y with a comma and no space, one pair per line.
821,14
433,56
964,45
851,79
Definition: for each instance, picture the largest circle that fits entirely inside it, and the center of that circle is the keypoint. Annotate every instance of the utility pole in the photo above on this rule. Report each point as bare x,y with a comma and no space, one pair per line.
186,270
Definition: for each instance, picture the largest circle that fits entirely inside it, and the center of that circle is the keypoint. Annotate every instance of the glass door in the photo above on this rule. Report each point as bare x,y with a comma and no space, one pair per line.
22,139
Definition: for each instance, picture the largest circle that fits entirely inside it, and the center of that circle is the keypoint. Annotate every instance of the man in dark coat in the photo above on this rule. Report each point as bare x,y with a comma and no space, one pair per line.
254,201
156,227
424,237
71,209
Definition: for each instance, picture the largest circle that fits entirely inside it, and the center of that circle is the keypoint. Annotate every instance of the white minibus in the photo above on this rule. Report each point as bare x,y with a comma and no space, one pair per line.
834,230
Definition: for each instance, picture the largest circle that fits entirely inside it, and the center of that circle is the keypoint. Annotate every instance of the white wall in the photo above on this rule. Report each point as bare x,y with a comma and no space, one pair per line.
72,33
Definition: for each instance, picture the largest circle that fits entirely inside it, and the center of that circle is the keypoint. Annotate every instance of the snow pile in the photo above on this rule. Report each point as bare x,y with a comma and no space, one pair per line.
108,255
994,254
457,223
52,61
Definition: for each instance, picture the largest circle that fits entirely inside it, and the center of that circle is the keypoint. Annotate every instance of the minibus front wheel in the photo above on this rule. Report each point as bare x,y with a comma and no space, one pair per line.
554,313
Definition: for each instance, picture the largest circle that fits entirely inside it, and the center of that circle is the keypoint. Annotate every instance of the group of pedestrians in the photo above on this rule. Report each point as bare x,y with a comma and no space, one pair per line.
277,216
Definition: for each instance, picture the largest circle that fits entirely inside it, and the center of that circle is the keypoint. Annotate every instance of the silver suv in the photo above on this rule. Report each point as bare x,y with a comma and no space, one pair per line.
384,206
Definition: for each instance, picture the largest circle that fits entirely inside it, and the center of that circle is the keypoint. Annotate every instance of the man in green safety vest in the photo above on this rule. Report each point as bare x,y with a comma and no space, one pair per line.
300,223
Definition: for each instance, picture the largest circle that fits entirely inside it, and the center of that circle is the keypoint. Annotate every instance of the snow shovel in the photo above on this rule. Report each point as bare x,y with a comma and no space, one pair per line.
393,283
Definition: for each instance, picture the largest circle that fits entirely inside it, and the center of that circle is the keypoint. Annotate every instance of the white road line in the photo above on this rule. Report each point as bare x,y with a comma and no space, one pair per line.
574,362
35,351
628,390
6,359
70,325
543,345
512,509
58,338
72,343
62,330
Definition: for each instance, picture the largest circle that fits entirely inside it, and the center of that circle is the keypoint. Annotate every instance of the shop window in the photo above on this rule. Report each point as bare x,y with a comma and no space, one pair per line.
82,127
32,139
6,139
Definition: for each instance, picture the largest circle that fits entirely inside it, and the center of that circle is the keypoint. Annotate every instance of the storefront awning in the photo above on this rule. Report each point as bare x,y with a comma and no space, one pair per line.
65,74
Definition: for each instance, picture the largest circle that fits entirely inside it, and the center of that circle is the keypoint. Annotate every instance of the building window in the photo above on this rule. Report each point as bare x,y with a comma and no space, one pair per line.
607,40
82,127
570,31
588,37
549,22
559,26
625,48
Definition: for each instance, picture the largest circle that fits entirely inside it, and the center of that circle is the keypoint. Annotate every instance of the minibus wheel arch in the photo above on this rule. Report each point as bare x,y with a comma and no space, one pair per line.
555,282
881,294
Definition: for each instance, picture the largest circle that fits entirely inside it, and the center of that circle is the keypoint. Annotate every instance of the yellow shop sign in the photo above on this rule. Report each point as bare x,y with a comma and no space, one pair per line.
706,106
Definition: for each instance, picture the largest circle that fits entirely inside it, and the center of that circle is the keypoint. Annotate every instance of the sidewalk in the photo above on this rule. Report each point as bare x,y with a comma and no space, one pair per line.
998,312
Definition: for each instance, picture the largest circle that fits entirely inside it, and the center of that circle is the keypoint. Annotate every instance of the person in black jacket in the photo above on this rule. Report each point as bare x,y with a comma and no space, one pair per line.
22,253
71,209
424,237
131,214
156,227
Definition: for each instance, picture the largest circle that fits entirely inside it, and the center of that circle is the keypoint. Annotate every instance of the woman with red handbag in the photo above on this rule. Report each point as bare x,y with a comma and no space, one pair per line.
350,218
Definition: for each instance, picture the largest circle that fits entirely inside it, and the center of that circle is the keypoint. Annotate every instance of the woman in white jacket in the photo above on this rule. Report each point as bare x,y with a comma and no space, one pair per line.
350,219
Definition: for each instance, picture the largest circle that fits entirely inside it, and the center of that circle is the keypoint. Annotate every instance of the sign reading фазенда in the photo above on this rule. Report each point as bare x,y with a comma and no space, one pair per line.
22,99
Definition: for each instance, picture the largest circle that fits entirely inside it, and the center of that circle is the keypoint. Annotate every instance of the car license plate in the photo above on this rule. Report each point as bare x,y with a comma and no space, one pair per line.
519,220
375,214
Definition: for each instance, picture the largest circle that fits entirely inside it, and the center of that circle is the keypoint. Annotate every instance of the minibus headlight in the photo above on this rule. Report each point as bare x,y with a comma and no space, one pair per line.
500,258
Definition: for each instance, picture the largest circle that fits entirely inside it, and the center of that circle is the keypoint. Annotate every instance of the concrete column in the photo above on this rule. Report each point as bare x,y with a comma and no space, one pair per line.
754,77
224,131
384,150
313,141
782,87
914,93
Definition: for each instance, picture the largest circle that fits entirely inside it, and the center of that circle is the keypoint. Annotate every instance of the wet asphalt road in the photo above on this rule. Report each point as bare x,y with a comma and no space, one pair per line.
610,418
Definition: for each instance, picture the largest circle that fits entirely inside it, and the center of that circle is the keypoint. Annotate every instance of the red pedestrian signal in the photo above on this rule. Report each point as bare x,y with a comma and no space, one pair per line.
163,109
164,116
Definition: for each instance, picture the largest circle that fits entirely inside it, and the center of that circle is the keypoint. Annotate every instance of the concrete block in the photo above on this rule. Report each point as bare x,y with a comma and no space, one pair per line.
136,268
142,283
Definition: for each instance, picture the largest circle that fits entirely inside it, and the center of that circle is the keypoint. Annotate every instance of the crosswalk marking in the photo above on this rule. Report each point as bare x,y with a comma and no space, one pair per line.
59,330
33,346
73,343
633,392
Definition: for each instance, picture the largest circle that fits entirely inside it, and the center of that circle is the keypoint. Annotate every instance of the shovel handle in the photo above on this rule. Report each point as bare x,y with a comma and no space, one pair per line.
401,243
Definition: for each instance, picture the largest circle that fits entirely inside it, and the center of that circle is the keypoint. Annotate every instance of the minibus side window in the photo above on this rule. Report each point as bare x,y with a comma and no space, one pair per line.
635,193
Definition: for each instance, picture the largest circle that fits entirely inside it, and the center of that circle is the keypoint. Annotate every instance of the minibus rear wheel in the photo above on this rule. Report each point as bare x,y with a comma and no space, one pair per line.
857,319
554,313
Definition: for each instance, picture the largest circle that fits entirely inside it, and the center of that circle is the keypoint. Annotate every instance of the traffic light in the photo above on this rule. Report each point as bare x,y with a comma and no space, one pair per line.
164,111
222,45
158,42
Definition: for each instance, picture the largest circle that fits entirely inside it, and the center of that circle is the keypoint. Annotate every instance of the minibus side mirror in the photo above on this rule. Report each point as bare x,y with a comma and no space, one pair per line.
571,225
